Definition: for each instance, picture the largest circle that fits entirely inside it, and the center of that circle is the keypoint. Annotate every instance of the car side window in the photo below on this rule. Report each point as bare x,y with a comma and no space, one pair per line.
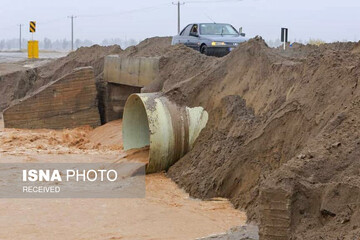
194,29
186,31
182,31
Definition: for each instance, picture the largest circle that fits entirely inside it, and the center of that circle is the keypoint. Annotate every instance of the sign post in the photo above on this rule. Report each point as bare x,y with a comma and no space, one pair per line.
284,36
33,46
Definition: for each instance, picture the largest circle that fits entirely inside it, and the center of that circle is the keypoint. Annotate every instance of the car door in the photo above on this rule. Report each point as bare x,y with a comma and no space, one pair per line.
193,37
183,36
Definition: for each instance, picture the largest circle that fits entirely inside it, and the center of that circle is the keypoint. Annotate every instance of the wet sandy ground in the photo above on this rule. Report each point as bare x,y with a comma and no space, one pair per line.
166,212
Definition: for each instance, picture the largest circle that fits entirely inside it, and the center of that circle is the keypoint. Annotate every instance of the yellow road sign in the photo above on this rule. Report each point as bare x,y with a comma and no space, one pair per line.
32,26
33,49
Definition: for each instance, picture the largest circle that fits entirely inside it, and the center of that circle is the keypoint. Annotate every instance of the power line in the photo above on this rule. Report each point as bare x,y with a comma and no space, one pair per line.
7,28
51,21
213,1
199,1
127,11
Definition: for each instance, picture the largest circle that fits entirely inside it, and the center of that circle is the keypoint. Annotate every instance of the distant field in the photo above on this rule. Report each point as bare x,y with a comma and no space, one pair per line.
8,57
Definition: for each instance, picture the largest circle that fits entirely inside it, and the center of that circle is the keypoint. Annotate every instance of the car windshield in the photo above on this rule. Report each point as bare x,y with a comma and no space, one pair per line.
217,29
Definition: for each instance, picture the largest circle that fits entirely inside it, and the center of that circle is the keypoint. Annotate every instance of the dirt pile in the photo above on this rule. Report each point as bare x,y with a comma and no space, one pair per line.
82,57
150,47
109,134
279,123
177,63
18,84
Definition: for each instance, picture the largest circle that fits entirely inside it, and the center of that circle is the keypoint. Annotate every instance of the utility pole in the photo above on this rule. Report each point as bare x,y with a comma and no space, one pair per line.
178,5
20,38
72,31
284,36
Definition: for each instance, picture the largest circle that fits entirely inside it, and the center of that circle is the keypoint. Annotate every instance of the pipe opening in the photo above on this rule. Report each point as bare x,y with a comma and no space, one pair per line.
169,130
136,127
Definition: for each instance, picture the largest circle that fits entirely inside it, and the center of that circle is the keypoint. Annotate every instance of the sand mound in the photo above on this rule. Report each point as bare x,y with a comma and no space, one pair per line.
150,47
279,123
82,57
109,135
18,84
177,63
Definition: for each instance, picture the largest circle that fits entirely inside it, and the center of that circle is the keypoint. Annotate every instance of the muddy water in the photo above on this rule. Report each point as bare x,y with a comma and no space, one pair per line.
166,212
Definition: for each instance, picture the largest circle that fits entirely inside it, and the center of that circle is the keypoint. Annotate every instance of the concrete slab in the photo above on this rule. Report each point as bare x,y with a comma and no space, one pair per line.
65,103
131,71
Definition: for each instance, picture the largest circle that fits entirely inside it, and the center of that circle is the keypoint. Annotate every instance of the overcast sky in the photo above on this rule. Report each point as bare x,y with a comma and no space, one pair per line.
96,20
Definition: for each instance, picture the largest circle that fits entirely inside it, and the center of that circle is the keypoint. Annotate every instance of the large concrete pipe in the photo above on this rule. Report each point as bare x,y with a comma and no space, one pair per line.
170,130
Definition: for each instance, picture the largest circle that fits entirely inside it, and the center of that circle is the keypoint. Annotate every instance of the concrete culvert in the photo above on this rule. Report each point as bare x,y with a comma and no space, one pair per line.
168,129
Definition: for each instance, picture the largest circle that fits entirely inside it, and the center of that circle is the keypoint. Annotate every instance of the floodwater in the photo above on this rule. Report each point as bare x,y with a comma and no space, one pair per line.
167,212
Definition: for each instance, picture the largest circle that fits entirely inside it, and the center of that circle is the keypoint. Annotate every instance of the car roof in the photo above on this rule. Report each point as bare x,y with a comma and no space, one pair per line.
209,23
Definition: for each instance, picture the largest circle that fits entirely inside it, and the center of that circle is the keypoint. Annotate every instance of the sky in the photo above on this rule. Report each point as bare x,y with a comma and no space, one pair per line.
328,20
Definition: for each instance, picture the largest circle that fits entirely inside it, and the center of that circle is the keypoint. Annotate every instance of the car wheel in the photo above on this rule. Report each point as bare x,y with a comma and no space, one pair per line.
203,49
